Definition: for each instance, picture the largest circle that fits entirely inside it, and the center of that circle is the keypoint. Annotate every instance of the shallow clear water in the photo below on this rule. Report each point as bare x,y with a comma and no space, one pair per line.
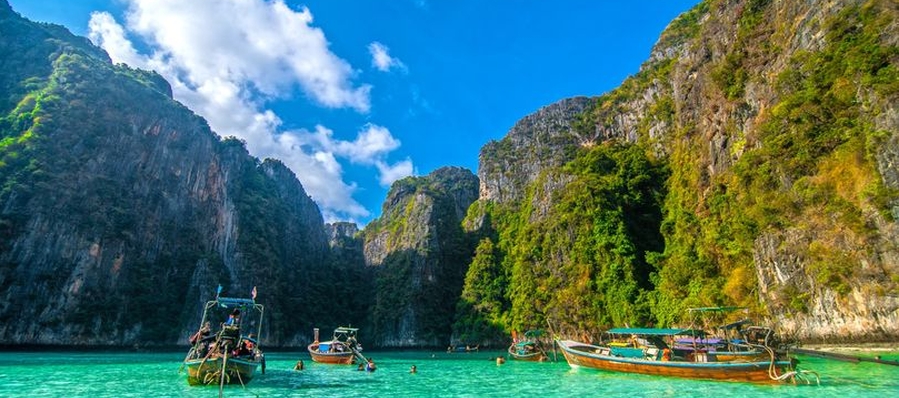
100,375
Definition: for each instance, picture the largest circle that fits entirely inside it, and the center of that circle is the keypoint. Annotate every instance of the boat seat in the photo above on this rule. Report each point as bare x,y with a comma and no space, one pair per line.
652,353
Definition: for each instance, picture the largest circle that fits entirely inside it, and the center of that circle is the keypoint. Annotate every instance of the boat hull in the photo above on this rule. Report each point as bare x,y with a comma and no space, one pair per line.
584,355
744,356
334,358
208,371
537,356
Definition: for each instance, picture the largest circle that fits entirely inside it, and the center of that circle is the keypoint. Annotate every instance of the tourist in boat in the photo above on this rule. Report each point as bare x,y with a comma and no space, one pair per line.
246,347
666,354
204,332
234,318
201,339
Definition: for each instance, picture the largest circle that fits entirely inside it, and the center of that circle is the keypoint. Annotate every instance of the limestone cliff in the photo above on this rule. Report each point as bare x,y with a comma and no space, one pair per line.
778,121
419,254
121,211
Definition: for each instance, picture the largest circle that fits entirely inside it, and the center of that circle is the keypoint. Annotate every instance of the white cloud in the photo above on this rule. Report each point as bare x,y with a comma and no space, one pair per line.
381,59
391,173
226,59
371,146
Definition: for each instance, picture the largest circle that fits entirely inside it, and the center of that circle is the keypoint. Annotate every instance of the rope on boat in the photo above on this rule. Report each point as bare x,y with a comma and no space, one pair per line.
792,375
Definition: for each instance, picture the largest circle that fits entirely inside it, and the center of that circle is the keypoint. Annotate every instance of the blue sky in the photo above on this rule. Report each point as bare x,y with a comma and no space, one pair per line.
352,95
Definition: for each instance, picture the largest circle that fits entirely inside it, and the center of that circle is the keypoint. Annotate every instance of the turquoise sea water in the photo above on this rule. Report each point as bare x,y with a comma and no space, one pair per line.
100,375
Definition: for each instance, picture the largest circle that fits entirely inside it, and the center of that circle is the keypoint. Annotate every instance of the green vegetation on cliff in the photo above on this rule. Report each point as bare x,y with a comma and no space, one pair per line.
576,258
636,233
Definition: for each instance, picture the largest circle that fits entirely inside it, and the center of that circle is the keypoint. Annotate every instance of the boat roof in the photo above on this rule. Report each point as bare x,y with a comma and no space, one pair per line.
344,329
656,331
233,302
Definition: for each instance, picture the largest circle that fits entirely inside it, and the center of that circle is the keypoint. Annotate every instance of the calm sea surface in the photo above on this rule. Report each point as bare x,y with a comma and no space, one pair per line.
99,375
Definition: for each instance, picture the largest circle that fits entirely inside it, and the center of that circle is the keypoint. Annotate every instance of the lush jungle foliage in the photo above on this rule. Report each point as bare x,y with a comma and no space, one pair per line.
633,240
576,258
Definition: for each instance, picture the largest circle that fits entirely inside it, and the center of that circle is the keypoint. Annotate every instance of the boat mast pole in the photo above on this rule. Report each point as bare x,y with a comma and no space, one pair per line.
224,372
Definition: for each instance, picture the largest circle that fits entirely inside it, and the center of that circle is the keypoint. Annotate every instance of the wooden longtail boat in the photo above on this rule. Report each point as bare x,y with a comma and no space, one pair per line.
343,349
736,341
529,348
227,356
653,357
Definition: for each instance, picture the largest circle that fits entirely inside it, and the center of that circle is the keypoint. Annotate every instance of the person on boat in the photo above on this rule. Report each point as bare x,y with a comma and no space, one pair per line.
413,369
250,342
370,366
234,318
245,348
299,365
201,334
666,354
201,339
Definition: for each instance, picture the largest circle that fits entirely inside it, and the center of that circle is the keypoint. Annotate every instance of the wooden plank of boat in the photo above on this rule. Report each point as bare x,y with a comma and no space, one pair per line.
208,371
587,355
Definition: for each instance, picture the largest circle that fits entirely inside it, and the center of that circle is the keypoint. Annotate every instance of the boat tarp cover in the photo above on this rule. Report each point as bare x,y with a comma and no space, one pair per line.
324,347
230,302
691,340
655,331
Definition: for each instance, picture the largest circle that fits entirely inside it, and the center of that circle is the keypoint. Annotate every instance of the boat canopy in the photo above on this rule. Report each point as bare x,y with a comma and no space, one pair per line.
231,302
346,330
700,340
656,331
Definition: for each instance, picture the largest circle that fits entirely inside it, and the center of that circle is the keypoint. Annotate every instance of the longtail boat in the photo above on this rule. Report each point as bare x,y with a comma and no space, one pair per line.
735,341
528,348
228,356
342,349
646,352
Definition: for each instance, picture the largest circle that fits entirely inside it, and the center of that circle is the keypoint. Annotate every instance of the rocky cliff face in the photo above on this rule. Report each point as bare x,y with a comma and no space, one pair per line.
728,84
539,141
121,211
419,254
